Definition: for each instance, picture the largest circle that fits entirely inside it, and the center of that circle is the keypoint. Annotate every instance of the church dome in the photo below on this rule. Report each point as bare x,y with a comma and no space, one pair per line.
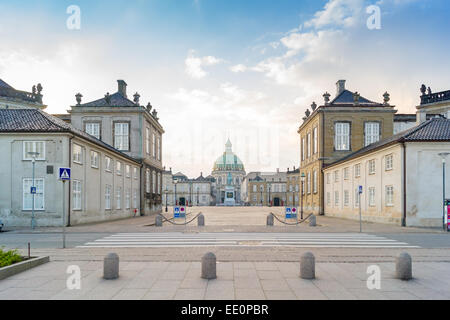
228,161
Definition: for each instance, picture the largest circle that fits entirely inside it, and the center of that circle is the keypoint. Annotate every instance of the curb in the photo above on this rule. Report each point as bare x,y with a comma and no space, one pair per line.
19,267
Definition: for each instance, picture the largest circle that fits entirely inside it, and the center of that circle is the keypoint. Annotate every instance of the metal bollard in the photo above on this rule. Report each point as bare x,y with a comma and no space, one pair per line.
403,266
270,220
201,220
158,221
312,221
111,266
209,266
308,266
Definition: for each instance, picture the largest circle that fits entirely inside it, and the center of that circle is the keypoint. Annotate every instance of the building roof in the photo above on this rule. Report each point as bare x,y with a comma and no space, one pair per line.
434,130
38,121
403,117
346,98
115,100
17,95
228,161
3,84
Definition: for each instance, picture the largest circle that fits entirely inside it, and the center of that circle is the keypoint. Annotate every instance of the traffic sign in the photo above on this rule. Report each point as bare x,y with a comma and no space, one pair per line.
291,213
360,189
64,174
179,212
33,190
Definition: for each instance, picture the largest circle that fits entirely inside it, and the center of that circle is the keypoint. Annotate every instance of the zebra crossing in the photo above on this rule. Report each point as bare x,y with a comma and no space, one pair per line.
305,240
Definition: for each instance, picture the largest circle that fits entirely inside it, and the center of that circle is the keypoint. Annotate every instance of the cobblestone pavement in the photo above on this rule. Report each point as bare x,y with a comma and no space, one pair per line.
235,280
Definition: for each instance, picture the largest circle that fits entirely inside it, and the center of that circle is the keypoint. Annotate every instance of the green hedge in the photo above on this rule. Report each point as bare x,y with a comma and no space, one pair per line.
7,258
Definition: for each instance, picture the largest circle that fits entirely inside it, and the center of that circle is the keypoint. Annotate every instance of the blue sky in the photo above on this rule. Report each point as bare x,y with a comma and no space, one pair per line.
213,69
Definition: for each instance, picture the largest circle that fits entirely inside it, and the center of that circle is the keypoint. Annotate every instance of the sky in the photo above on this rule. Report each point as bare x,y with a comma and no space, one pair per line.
243,70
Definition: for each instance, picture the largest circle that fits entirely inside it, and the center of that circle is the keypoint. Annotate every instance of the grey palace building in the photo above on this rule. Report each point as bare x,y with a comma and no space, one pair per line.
130,128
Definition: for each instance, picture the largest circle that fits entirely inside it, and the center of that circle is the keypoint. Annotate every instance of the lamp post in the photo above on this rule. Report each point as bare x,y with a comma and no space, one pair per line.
198,196
302,178
443,155
270,199
261,189
175,184
166,192
33,155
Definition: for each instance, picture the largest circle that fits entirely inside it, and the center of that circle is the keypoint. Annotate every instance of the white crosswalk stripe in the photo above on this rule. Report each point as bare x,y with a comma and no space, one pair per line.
312,240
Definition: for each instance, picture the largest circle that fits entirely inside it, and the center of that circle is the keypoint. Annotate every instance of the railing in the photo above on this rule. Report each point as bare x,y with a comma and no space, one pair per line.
22,95
435,97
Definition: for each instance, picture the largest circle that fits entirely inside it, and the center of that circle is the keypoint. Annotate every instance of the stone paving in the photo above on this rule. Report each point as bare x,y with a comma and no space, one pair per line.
235,280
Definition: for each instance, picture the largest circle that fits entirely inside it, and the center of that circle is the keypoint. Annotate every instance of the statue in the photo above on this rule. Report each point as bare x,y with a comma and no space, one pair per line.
307,113
33,89
107,98
149,107
313,106
429,91
356,96
423,89
326,97
78,97
136,98
229,179
39,88
386,97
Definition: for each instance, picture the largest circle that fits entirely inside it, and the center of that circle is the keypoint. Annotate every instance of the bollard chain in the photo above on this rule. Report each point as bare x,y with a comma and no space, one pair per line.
291,224
179,224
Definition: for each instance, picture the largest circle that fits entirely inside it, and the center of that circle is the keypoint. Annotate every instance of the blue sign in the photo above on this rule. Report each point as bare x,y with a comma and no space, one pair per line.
291,213
33,190
360,189
64,174
179,212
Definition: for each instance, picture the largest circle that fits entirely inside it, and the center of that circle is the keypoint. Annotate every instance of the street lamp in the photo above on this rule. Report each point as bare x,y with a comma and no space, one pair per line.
302,178
197,196
175,184
166,192
270,199
33,155
261,189
443,155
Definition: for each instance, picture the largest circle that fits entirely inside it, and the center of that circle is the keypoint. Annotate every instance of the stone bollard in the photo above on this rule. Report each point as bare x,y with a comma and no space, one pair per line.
403,266
111,266
312,221
201,220
209,266
270,219
158,221
308,266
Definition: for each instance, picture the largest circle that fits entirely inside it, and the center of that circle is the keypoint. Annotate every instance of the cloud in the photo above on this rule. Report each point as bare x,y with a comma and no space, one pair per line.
194,65
238,68
344,13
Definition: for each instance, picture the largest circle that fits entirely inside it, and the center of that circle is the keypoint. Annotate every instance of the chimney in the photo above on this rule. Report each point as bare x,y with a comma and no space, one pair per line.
278,170
340,87
122,87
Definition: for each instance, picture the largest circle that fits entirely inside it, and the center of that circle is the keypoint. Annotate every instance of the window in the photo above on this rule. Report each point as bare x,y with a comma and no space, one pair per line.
371,132
328,199
255,199
159,183
346,173
159,148
39,197
147,181
357,170
342,136
34,146
336,176
389,162
108,197
118,168
121,136
308,183
135,173
389,196
77,154
154,145
336,198
92,128
308,144
315,141
118,198
153,181
147,140
296,188
372,196
76,195
135,199
328,178
372,167
254,188
94,159
357,196
107,163
315,181
127,170
127,199
303,148
346,198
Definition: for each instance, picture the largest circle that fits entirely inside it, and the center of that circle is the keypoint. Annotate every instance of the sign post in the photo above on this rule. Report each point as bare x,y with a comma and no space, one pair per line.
360,191
447,207
64,175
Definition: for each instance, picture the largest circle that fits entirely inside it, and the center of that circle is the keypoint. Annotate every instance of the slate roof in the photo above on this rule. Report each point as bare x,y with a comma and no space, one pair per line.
116,100
35,120
434,130
346,98
3,84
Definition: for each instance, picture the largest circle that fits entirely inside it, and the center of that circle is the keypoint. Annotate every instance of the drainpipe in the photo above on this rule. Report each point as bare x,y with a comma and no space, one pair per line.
404,185
70,181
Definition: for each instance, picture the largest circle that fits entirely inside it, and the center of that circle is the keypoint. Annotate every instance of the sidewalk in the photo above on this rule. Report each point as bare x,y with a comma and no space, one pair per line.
236,280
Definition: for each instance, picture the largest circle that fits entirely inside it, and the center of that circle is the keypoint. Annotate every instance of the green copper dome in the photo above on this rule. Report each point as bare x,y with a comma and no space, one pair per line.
228,161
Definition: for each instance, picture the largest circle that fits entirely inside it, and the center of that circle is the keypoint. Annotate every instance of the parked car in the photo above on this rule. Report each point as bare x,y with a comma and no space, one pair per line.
1,225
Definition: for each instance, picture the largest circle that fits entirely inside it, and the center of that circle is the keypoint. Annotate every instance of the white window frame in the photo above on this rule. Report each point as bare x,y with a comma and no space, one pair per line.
308,183
121,136
147,140
34,148
153,181
27,183
108,162
336,176
127,198
336,198
308,144
76,195
118,198
346,198
372,166
315,181
77,157
372,196
108,189
328,198
303,149
371,132
135,199
147,181
346,173
127,170
389,196
135,173
315,141
93,129
357,170
342,136
94,159
153,145
389,162
119,168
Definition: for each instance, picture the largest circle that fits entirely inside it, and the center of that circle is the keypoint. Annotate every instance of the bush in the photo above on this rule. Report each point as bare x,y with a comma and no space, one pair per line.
8,258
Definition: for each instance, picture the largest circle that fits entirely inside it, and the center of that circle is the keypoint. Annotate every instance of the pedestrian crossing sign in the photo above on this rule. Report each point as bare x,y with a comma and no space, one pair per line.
179,212
291,213
64,174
